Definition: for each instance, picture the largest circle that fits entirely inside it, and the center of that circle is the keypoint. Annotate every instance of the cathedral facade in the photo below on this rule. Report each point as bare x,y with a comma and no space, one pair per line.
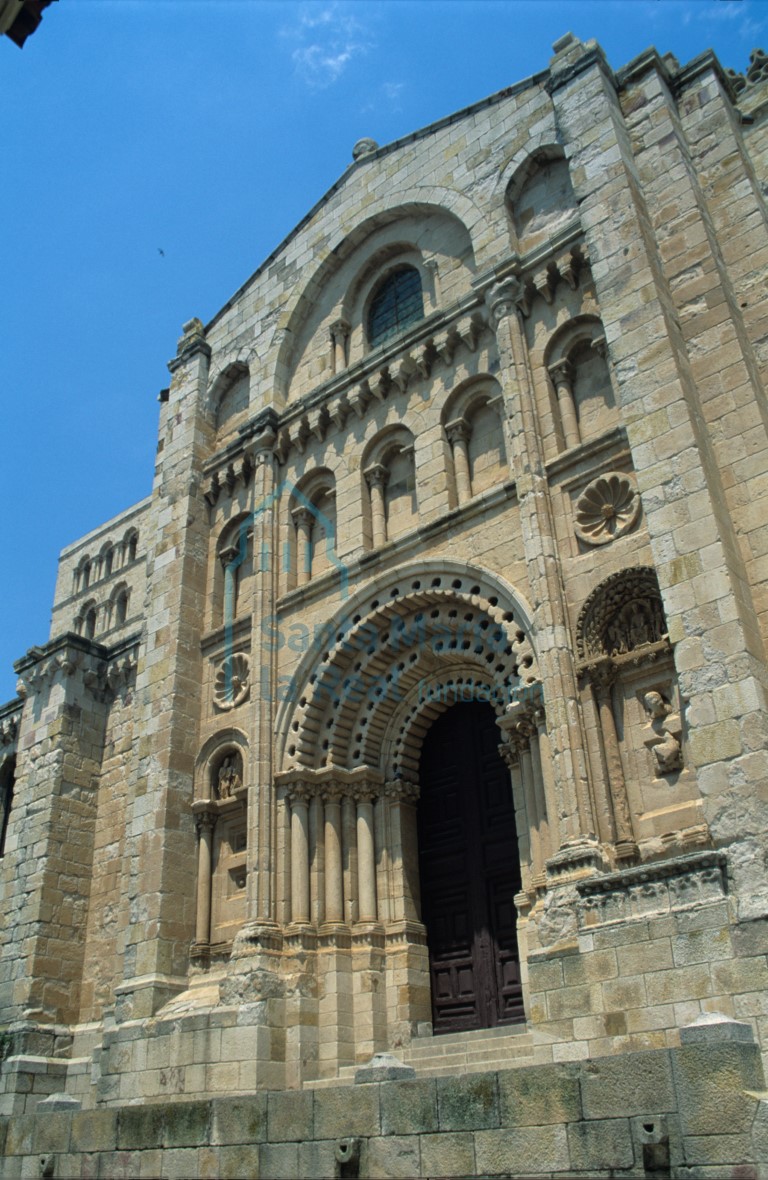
423,699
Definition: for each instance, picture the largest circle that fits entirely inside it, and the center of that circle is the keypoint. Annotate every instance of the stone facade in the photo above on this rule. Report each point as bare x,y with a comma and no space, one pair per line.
487,429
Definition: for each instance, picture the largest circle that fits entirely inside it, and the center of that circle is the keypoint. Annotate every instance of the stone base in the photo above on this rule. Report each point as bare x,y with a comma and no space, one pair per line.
666,1112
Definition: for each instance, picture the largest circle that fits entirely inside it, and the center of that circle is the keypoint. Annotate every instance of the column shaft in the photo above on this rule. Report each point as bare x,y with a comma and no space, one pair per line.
204,877
334,892
366,866
299,861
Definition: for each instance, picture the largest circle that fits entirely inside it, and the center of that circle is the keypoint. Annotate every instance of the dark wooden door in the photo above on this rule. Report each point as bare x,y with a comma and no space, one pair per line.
469,871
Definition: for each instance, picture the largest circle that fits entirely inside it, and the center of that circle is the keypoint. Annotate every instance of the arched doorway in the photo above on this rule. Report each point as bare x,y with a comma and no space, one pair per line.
469,872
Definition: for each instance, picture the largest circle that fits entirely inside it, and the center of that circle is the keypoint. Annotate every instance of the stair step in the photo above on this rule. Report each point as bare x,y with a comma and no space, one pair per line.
479,1051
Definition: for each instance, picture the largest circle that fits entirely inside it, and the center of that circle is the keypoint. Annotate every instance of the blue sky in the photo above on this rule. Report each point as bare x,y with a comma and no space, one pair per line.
206,129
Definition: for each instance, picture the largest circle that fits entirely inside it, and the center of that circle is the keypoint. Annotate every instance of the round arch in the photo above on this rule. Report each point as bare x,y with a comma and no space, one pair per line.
433,624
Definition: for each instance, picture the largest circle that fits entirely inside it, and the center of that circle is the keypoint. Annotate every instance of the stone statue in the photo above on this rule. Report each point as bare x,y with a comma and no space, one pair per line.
666,742
229,779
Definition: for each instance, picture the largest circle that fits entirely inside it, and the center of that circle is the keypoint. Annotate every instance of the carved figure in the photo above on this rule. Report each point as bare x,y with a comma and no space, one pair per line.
666,742
229,778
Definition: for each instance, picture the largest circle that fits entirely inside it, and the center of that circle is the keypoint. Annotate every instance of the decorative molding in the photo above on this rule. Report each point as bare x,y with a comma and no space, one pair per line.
608,508
682,883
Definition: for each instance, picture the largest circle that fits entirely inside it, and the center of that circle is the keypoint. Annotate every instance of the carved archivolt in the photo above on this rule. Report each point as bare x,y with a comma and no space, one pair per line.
233,681
403,643
623,613
608,507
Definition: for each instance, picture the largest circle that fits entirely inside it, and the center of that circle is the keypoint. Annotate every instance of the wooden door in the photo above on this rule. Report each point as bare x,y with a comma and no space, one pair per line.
470,871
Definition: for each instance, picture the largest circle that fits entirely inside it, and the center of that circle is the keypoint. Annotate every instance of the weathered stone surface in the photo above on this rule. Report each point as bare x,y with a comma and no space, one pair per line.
631,1083
409,1107
341,1113
448,1154
539,1095
468,1102
522,1151
290,1117
239,1119
600,1144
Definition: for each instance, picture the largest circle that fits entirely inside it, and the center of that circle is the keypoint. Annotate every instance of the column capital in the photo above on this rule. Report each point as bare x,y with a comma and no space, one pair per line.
205,821
376,476
459,430
340,329
601,674
228,555
302,516
562,373
502,299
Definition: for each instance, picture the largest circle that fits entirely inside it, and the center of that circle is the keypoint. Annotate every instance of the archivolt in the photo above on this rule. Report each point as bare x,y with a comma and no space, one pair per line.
423,639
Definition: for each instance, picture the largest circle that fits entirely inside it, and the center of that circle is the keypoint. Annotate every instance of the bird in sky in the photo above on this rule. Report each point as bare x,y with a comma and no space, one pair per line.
161,252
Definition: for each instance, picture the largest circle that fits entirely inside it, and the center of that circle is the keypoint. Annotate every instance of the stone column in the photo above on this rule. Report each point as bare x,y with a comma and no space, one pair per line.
603,677
553,640
228,558
376,477
334,888
339,335
562,379
261,926
458,433
206,822
299,857
303,520
366,863
528,838
349,853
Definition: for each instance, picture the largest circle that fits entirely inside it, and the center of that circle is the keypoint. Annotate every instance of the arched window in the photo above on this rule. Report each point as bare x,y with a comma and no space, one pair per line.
389,470
85,574
313,527
7,775
397,303
89,623
234,566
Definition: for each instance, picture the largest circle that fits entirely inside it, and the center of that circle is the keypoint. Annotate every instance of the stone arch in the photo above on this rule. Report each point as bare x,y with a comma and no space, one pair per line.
539,196
624,612
430,622
212,754
473,422
310,526
576,360
310,306
229,396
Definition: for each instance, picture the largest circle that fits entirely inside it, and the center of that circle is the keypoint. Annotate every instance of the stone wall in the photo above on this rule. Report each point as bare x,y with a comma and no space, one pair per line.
696,1111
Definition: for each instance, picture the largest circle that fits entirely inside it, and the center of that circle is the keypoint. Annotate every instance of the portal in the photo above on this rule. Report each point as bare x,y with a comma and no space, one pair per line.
470,872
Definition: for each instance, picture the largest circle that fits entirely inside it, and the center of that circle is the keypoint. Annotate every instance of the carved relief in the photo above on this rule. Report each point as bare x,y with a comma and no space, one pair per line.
228,778
624,613
665,733
232,683
607,508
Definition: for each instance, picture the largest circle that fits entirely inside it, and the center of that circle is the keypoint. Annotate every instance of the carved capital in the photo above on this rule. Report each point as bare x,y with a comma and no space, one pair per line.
459,430
376,476
503,298
340,329
303,517
205,821
562,374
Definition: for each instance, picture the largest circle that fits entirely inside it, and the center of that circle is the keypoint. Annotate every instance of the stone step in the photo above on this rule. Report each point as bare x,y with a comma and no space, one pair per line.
455,1053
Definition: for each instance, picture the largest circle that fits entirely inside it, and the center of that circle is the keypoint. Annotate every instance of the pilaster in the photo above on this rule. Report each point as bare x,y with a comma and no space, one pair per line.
160,829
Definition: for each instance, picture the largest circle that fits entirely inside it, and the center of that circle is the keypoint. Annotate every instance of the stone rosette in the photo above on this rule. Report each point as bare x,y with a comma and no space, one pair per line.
232,682
608,507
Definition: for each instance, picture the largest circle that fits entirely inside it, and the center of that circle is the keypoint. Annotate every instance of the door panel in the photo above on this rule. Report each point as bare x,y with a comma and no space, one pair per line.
469,868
